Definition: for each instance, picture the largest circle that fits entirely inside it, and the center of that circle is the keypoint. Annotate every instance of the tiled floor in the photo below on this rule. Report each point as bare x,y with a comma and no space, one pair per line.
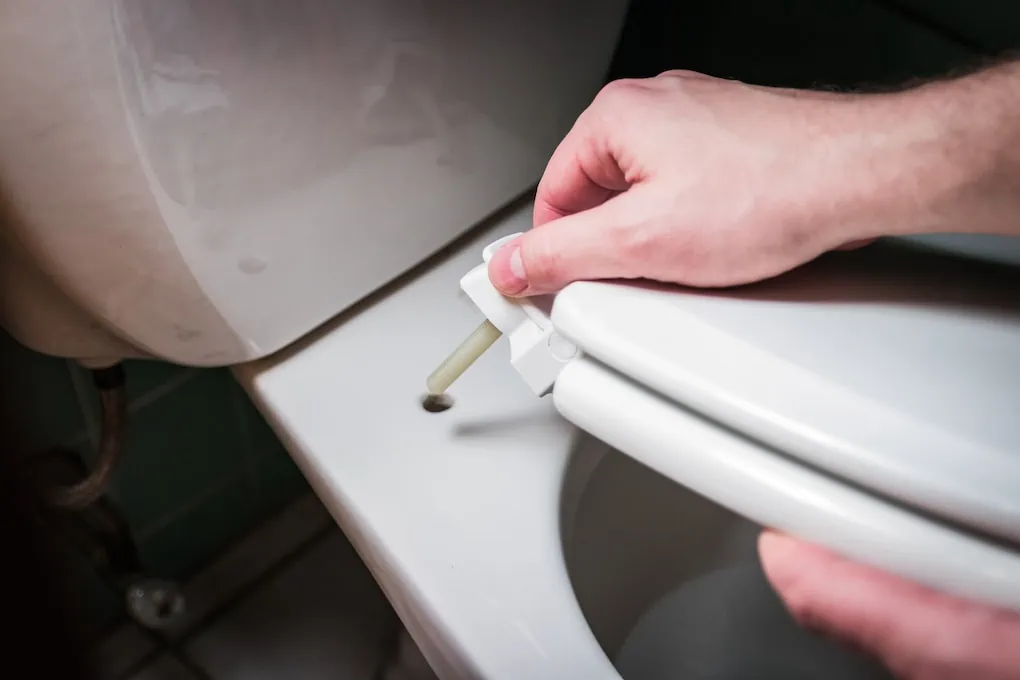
293,600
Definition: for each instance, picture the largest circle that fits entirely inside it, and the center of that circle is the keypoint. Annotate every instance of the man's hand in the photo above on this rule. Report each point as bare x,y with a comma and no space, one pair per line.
691,179
706,182
918,633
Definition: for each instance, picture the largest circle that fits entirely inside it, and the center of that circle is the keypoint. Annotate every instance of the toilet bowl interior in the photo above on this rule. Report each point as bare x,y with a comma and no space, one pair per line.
637,536
727,625
671,585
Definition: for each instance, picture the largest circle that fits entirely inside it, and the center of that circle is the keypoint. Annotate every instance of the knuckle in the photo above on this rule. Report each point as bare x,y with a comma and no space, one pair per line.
687,78
616,91
684,85
680,73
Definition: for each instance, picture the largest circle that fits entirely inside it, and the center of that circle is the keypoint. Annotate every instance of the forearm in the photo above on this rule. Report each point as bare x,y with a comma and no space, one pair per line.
957,155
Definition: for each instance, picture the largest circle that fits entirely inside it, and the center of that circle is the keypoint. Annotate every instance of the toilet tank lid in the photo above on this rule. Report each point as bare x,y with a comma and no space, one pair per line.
893,367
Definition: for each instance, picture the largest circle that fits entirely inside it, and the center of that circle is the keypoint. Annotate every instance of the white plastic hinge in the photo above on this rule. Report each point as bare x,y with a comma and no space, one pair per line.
537,352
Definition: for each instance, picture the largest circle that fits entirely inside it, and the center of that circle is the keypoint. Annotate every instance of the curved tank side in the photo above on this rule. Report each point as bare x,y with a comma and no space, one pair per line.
39,315
79,207
212,180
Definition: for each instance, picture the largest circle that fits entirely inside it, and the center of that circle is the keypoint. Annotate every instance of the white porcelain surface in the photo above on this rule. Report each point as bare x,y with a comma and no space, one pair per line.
894,368
635,535
456,514
205,182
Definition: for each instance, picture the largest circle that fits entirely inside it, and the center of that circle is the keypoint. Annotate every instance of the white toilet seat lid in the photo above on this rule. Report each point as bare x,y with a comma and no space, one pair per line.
780,492
891,367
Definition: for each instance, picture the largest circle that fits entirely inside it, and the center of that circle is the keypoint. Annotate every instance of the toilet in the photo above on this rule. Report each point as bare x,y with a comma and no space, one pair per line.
306,192
514,545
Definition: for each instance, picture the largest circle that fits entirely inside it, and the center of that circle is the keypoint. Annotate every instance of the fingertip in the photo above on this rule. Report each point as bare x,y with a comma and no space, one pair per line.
784,560
782,551
806,578
775,547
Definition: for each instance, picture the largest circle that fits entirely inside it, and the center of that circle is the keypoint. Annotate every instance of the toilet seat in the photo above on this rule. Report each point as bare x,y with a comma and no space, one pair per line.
890,368
458,514
773,490
866,402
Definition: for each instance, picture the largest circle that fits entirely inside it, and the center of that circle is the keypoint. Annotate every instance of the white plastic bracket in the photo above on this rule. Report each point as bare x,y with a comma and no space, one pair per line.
537,351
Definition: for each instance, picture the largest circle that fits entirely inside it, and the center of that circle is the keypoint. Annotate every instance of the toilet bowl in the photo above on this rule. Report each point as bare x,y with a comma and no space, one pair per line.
514,545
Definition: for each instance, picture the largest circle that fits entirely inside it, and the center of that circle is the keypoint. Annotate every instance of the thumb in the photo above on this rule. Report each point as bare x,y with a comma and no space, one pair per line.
917,632
581,246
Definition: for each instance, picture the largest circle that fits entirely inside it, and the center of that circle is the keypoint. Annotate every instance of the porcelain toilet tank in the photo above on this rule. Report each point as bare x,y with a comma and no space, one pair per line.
205,182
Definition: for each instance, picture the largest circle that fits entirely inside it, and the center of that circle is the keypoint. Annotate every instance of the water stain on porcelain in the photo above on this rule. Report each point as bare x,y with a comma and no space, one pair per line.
251,265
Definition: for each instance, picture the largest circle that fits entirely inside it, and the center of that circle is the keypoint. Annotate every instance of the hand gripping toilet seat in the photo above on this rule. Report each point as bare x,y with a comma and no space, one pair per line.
458,515
652,372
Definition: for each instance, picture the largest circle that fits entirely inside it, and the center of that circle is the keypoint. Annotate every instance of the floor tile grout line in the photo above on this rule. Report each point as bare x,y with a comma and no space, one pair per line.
147,659
163,647
162,521
165,519
161,390
190,664
167,643
245,591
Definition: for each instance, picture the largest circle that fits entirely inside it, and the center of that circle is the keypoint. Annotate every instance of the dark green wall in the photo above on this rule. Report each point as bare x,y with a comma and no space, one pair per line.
819,43
200,468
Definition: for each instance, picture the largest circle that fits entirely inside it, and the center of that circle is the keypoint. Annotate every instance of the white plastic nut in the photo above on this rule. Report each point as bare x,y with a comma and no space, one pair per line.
537,352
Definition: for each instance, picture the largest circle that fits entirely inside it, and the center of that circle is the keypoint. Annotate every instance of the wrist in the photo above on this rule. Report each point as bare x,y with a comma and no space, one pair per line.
875,165
945,157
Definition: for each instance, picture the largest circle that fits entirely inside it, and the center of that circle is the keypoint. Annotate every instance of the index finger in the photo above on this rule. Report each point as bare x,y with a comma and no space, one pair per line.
581,175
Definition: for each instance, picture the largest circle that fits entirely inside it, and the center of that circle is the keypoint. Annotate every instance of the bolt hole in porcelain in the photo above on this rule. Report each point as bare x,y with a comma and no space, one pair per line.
437,403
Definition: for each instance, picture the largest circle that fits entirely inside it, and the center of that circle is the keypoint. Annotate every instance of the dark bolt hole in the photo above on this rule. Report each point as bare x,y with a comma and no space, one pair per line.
437,403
